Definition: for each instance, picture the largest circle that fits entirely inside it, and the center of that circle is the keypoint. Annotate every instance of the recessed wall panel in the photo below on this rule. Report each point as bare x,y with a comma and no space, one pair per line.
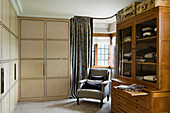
32,29
32,49
32,68
57,30
57,68
60,89
57,49
32,88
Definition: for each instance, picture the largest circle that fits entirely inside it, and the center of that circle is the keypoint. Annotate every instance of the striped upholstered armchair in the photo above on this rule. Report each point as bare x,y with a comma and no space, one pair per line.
96,86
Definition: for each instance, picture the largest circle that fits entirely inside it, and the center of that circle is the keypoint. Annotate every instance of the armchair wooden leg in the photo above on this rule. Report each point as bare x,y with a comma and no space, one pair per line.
77,100
107,97
101,103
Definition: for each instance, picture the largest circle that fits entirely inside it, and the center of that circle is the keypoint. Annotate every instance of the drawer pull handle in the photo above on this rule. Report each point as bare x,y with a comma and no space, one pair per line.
136,99
136,107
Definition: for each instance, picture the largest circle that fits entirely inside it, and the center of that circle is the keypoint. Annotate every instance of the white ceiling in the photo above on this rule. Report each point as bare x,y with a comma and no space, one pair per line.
68,8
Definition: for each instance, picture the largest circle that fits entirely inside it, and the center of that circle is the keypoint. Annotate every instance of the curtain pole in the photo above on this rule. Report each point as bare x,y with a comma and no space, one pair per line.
105,18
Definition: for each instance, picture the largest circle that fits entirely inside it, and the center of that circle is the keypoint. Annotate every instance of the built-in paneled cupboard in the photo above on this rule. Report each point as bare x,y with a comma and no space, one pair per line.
8,57
44,58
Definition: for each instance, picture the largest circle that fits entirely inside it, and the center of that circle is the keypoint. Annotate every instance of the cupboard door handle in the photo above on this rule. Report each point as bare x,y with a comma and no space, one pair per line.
15,72
2,80
43,68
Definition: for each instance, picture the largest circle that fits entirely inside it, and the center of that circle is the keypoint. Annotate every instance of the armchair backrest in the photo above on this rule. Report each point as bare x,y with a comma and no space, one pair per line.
100,72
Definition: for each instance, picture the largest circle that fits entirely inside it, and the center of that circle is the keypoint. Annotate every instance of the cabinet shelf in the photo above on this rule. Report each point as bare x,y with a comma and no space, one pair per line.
147,38
128,62
147,63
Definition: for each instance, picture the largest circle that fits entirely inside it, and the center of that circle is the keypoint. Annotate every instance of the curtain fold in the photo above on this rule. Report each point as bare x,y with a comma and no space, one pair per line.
81,49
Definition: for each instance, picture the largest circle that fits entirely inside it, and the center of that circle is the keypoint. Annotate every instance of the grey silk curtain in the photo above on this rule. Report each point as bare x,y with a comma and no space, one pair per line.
81,49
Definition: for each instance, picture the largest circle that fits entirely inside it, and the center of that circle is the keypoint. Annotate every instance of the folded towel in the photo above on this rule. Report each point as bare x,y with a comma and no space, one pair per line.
128,54
150,78
128,38
146,29
150,55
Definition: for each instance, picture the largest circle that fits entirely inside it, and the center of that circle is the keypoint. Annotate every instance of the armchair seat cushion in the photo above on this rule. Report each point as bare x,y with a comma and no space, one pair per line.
86,93
92,85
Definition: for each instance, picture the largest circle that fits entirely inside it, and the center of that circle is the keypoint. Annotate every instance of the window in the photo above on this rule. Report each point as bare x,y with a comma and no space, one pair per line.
102,50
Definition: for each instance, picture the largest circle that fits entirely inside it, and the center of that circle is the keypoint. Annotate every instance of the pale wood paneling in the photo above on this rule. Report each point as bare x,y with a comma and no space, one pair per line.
16,26
32,88
57,30
12,104
6,13
1,10
57,49
0,82
0,42
57,87
57,68
5,44
16,94
32,69
32,49
6,77
32,29
13,47
0,107
13,22
11,74
5,104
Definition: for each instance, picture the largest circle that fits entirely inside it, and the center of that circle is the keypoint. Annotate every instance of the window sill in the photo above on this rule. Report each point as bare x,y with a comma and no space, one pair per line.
111,67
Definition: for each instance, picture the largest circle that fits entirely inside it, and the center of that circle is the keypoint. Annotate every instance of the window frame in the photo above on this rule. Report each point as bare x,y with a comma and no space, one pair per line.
96,48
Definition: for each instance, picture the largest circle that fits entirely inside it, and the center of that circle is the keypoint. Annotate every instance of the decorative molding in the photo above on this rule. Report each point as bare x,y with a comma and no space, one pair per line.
17,6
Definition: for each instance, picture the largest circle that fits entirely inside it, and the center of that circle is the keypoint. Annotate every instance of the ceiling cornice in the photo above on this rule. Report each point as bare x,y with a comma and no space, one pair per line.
17,6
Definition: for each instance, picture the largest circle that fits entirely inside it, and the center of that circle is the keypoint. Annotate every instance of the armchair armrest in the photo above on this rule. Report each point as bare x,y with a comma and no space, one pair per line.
105,82
82,81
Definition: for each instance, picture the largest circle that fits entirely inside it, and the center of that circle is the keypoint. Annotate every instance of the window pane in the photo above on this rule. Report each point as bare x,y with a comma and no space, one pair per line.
102,51
106,51
106,56
102,62
102,56
98,57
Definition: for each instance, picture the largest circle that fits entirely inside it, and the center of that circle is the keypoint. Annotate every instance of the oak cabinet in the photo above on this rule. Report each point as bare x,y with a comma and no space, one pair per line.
143,58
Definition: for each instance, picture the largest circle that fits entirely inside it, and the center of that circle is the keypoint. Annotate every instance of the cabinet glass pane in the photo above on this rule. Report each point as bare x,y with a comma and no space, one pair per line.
125,48
146,54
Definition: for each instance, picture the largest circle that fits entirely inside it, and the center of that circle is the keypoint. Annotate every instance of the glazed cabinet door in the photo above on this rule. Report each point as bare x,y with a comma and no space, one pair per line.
125,51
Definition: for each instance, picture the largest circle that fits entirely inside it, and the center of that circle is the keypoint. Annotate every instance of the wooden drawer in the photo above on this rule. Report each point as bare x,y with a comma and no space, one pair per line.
119,92
123,107
136,107
119,98
144,98
116,110
138,101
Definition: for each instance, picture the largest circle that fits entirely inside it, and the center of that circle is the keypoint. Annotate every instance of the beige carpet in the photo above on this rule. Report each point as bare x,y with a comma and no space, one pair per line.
64,106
